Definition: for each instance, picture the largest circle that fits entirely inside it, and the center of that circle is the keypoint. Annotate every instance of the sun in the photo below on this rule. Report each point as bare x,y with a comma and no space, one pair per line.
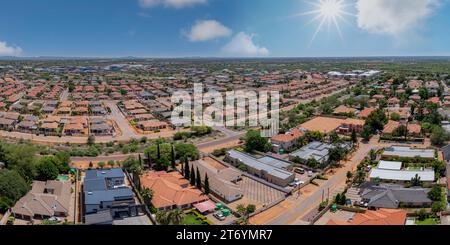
327,12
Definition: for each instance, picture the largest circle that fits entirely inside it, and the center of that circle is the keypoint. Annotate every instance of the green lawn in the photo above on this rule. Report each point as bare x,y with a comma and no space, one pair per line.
429,221
191,219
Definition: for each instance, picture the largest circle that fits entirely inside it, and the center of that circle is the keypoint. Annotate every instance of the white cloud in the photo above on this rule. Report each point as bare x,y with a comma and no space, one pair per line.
6,50
393,17
171,3
242,45
205,30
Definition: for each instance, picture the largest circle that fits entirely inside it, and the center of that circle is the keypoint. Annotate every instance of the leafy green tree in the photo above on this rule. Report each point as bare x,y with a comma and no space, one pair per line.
255,142
5,204
438,136
63,159
47,169
101,165
147,194
354,137
12,185
132,165
377,120
437,207
189,151
435,194
395,117
366,133
91,140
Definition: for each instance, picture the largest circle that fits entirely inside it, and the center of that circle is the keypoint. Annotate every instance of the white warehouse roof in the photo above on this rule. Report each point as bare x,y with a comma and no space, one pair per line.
402,175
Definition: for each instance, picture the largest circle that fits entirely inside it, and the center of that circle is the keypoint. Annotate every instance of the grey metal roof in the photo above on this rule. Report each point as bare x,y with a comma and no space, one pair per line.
102,217
402,151
97,197
314,150
105,173
402,175
391,197
261,166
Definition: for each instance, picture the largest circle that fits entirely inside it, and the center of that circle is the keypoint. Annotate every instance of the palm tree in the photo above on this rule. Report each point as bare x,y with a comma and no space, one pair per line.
175,217
147,194
162,218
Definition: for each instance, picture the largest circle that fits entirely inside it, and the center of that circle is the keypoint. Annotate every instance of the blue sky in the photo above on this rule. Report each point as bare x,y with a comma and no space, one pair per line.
221,28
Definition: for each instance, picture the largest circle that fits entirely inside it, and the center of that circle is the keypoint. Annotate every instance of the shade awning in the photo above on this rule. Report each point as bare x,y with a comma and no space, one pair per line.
205,206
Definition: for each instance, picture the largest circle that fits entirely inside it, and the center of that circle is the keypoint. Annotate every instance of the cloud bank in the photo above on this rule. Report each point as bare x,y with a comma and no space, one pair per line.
6,50
242,45
393,17
171,3
205,30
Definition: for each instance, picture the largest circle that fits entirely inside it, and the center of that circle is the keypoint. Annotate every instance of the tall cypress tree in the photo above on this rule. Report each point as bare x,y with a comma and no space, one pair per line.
198,180
158,151
149,160
206,184
192,176
187,173
173,157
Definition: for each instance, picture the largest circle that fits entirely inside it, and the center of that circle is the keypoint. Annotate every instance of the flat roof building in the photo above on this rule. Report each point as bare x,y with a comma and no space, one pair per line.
271,169
401,175
408,152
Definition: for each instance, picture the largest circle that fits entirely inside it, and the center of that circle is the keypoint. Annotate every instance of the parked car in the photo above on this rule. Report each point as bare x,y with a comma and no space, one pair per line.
310,173
299,170
219,216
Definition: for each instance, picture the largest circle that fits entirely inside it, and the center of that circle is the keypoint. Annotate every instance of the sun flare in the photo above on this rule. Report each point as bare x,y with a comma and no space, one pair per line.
327,12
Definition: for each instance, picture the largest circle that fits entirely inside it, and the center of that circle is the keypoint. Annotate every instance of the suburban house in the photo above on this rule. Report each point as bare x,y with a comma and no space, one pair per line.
171,191
271,169
413,129
7,124
408,152
222,179
344,110
379,217
45,200
392,196
327,125
287,141
366,113
392,172
152,125
315,150
105,190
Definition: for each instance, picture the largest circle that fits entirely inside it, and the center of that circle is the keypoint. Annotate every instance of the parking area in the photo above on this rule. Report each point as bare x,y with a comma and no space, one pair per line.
338,215
138,220
256,193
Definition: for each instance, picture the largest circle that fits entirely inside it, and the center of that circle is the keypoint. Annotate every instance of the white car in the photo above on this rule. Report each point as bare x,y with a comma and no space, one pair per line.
219,216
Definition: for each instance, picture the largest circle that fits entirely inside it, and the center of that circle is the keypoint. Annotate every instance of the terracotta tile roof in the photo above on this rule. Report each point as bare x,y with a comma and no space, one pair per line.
168,190
290,136
366,112
379,217
344,109
322,124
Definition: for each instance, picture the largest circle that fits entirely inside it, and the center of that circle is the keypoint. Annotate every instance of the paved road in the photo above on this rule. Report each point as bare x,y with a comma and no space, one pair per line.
305,204
121,157
64,95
